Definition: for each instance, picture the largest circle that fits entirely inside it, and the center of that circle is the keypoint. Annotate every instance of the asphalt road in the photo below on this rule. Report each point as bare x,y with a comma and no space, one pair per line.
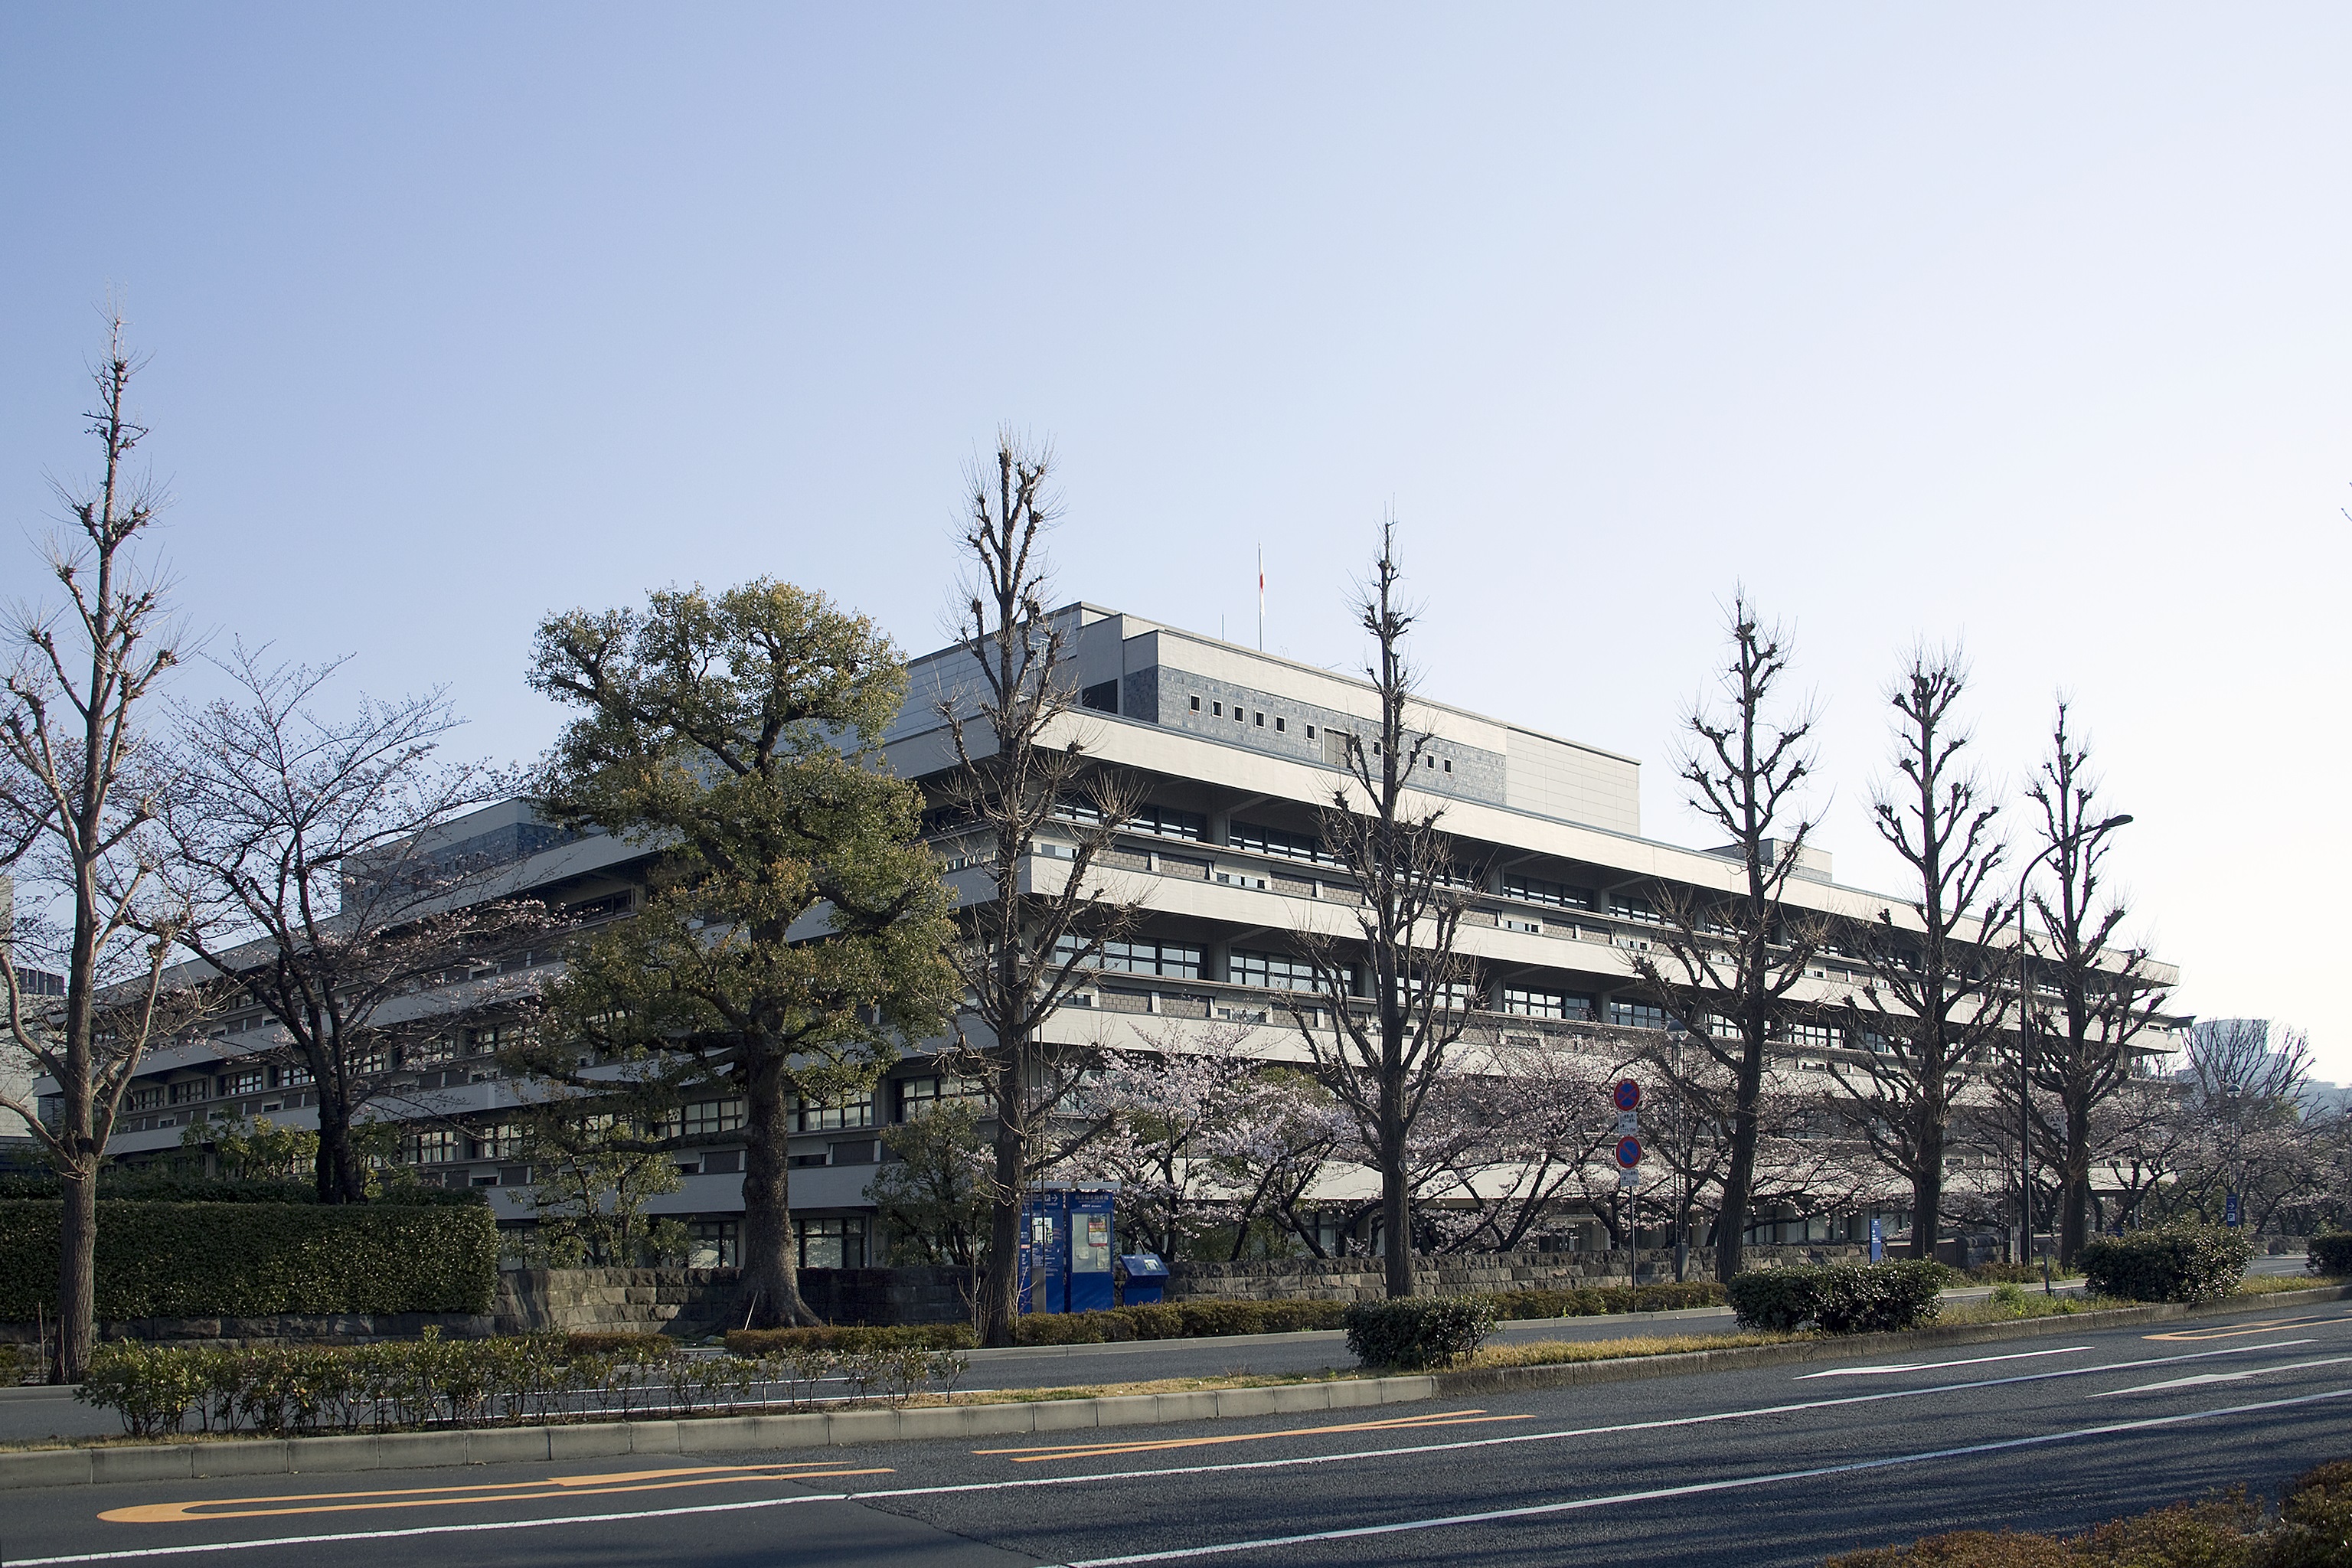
1772,1466
33,1414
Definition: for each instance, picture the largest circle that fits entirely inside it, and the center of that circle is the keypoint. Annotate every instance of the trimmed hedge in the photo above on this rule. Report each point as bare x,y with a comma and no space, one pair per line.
1414,1331
2331,1252
1842,1298
141,1187
1594,1300
159,1390
1178,1321
2173,1263
852,1339
251,1260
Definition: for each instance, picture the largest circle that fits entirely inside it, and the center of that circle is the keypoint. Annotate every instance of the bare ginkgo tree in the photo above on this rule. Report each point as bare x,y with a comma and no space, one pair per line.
1036,933
2098,993
309,847
81,790
1933,1000
1737,955
1396,989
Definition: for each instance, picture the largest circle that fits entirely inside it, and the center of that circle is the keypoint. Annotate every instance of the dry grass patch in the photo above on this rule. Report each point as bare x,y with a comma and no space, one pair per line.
2271,1284
1558,1353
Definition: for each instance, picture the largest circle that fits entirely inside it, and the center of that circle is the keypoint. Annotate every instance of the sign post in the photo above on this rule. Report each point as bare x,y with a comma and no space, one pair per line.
1628,1097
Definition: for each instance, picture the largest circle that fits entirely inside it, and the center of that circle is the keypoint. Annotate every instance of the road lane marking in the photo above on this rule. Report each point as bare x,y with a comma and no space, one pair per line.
1156,1474
2205,1377
2243,1328
1934,1365
437,1496
1155,1445
1696,1488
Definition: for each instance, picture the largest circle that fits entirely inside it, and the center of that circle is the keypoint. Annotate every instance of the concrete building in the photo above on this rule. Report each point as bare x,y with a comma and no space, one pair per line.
1238,750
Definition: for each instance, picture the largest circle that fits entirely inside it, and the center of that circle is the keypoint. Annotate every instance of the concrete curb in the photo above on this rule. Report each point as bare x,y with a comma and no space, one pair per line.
816,1429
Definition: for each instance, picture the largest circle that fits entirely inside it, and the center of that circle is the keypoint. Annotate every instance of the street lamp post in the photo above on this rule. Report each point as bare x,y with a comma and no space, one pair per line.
2025,1045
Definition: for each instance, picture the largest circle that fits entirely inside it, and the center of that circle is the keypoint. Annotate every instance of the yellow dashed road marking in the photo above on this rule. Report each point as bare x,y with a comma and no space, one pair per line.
439,1496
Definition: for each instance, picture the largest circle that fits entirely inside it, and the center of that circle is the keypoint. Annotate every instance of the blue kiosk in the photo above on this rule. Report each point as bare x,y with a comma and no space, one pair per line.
1066,1246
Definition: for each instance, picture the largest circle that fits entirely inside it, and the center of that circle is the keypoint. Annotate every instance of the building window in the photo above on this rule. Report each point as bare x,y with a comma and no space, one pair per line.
1261,721
251,1080
710,1117
1217,710
1455,996
1449,764
1275,841
1627,908
293,1077
1196,705
832,1243
1278,724
485,1042
189,1091
1821,1037
503,1141
917,1095
1535,891
437,1148
1173,960
1273,971
147,1099
1167,822
1310,731
717,1243
428,1053
1637,1015
814,1116
1532,1001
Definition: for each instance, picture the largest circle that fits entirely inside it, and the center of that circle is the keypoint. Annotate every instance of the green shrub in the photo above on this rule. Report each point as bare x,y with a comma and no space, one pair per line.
2315,1527
853,1338
1842,1298
192,1260
1414,1331
2185,1262
627,1346
160,1188
1591,1301
2331,1252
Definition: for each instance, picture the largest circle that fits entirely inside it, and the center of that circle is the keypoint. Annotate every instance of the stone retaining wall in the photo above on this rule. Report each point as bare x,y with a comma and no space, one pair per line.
341,1329
1480,1273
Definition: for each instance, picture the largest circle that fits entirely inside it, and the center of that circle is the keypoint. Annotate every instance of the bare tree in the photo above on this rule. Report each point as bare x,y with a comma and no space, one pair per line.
1932,1001
1386,1048
312,855
2081,1046
81,792
1022,763
1738,956
2147,1135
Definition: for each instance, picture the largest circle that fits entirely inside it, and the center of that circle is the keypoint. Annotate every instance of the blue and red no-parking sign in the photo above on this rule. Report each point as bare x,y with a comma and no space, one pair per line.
1629,1095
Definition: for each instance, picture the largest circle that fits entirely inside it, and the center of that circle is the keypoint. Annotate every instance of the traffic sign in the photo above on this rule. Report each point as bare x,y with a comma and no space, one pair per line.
1877,1241
1628,1178
2229,1210
1629,1152
1629,1095
1628,1123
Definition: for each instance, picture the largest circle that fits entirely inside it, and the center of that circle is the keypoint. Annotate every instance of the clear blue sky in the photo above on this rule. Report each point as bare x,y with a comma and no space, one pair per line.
2023,325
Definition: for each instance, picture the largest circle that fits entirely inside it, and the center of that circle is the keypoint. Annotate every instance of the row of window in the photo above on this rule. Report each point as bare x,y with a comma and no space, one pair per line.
1246,716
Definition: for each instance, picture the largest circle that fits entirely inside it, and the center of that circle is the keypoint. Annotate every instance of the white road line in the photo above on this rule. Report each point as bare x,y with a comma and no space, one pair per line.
1933,1365
2205,1377
1539,1511
1157,1473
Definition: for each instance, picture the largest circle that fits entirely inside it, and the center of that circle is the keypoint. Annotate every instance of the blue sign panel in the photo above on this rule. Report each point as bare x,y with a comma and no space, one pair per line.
1877,1242
1089,1268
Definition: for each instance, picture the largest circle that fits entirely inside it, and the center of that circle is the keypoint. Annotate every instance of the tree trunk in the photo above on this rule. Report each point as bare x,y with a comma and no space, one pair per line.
76,1276
1396,1219
2075,1213
1731,1220
1000,1300
1928,1194
341,1179
770,1276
